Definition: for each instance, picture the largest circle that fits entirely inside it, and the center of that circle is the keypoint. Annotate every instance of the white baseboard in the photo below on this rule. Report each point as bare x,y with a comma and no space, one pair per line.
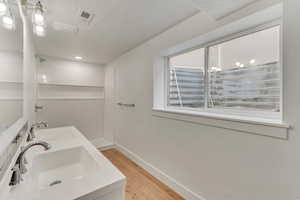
102,144
169,181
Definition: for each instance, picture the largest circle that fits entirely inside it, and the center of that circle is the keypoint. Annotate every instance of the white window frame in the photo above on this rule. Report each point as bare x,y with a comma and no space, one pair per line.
228,112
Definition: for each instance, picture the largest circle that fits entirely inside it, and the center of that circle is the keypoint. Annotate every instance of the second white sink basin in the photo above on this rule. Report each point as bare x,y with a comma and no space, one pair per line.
66,174
55,134
64,168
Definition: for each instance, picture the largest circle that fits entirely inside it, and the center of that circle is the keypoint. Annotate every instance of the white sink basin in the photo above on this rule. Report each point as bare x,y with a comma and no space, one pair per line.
64,168
55,134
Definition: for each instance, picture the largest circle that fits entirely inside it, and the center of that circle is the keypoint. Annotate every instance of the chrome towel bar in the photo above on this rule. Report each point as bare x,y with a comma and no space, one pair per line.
126,104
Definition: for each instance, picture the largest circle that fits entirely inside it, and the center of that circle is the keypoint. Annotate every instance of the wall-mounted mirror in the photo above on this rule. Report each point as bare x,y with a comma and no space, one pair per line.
11,64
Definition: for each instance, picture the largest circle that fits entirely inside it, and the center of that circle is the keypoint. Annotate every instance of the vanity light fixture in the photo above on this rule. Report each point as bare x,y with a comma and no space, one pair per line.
38,14
3,7
38,19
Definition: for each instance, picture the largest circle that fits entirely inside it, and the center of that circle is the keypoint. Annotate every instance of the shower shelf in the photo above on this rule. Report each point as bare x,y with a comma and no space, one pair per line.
10,82
70,85
71,98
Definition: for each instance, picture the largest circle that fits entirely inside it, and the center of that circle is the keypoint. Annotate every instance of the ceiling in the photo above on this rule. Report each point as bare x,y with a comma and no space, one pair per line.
220,8
118,25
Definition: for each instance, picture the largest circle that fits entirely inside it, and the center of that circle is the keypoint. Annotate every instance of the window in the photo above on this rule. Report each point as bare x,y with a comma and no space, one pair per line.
240,76
186,83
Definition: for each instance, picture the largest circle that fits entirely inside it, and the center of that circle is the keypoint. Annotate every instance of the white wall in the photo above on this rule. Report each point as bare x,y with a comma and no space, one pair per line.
29,69
72,94
86,115
11,88
215,163
11,64
109,118
61,71
291,163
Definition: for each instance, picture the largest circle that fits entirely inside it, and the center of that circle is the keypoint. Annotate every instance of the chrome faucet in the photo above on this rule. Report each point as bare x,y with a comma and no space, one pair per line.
33,127
20,167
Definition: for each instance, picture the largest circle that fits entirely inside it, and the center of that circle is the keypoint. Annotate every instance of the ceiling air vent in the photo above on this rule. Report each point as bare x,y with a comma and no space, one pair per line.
86,16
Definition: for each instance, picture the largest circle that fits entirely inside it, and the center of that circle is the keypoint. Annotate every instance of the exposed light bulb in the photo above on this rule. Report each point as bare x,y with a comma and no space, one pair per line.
238,64
252,61
3,7
7,20
38,18
242,65
38,15
78,57
39,30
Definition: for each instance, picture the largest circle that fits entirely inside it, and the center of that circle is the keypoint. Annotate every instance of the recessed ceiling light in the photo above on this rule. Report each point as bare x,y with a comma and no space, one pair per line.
78,57
252,61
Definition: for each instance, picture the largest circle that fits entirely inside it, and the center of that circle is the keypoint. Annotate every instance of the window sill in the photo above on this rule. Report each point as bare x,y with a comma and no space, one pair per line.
257,126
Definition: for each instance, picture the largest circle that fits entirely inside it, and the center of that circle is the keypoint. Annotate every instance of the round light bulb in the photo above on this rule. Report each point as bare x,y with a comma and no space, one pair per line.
78,57
7,20
238,64
39,29
252,61
242,65
3,7
38,18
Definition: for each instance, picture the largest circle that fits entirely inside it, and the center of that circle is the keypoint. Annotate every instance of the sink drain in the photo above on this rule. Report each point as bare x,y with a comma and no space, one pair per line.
55,183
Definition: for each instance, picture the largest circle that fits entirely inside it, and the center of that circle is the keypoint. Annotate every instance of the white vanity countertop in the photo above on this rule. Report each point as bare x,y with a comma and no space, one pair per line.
68,145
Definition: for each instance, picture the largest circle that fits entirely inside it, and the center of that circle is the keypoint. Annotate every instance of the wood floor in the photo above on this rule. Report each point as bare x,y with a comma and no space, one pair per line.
140,184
